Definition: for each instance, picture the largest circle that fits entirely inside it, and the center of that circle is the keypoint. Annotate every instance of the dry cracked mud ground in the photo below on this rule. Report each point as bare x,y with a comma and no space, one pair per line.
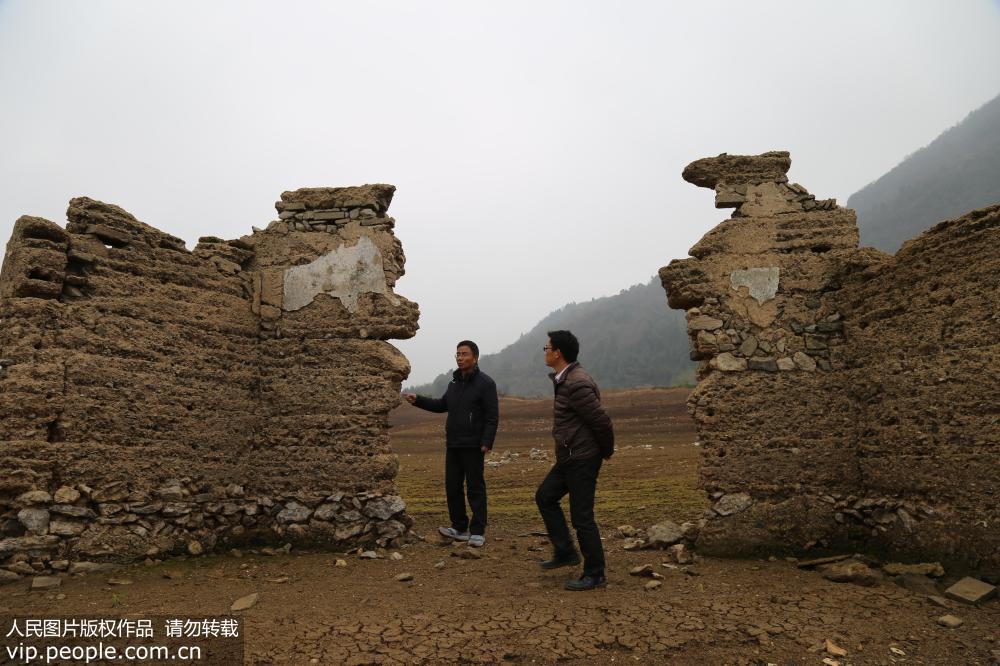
500,608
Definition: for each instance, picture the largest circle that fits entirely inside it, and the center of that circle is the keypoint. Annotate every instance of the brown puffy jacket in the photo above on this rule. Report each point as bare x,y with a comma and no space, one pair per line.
580,427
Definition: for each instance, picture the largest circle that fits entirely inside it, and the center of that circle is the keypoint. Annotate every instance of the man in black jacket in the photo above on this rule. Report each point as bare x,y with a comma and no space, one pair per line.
473,416
584,437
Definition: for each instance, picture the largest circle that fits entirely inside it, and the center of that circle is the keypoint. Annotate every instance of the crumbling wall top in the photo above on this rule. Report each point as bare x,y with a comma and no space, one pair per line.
738,169
313,198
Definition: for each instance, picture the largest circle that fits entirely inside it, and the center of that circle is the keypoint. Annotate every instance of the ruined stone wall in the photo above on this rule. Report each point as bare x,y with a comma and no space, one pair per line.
156,399
818,393
925,371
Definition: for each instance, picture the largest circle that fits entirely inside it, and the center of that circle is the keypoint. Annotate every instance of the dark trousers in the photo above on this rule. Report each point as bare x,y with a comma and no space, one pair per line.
579,479
465,466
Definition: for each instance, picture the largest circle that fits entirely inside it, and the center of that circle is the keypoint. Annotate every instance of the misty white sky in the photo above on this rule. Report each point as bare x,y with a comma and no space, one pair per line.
536,146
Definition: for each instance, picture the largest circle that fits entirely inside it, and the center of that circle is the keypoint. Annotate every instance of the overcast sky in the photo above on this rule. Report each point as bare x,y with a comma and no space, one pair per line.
536,146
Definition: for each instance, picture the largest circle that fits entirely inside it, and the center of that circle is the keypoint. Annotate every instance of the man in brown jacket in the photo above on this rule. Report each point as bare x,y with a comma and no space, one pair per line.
584,438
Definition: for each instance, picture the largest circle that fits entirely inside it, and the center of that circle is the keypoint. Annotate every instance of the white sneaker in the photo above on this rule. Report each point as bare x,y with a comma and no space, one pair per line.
452,533
477,541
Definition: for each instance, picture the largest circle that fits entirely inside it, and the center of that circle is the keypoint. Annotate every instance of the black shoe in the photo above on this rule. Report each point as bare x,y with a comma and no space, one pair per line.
586,583
556,562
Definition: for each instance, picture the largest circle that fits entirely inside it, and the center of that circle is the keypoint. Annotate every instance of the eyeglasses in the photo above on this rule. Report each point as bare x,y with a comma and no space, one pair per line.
547,348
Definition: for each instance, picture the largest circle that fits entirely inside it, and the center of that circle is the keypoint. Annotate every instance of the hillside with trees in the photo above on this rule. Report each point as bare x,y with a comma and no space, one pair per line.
627,340
957,172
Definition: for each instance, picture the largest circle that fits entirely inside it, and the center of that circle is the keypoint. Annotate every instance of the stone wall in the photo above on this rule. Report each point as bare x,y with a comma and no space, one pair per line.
157,400
848,399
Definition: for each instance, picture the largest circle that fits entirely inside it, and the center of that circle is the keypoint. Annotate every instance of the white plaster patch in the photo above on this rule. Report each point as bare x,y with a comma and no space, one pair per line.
762,282
343,273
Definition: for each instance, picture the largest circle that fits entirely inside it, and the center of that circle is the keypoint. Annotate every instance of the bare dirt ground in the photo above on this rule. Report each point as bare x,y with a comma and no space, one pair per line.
502,608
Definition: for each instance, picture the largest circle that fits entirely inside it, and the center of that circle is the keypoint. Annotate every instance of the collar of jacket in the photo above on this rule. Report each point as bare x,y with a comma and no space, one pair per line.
457,375
552,375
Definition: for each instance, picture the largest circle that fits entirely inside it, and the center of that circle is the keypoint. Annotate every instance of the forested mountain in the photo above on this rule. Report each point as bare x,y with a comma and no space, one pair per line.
957,172
632,339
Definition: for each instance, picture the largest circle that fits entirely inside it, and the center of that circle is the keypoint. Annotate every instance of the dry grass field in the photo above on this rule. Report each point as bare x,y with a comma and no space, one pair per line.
652,476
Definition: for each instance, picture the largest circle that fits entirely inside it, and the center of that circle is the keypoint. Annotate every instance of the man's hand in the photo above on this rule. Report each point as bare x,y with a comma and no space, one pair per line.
410,397
484,449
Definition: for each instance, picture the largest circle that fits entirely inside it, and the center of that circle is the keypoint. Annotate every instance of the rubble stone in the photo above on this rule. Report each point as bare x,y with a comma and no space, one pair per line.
663,534
850,572
926,569
971,591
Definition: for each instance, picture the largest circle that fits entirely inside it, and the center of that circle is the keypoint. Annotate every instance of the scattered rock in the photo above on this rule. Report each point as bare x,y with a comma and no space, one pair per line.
195,548
467,554
928,569
652,585
851,572
397,556
627,531
664,534
45,582
807,564
172,574
834,649
642,570
938,601
681,554
279,580
340,563
119,581
970,591
631,544
244,603
404,577
950,621
88,567
439,565
8,577
368,555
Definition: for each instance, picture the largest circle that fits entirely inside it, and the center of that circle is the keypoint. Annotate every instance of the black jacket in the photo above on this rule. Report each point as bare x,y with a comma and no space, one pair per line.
473,409
580,426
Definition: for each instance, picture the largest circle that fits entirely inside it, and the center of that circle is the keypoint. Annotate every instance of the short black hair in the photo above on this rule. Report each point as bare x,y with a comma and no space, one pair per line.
471,345
566,343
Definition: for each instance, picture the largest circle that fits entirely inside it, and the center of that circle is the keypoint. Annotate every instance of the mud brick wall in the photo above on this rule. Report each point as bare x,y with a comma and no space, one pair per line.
823,422
158,400
925,370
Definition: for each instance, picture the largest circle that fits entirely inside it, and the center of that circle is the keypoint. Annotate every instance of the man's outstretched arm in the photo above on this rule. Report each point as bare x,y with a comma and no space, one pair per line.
437,405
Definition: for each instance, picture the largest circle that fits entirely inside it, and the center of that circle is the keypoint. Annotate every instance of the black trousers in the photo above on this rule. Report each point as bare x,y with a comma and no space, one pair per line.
579,479
465,466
